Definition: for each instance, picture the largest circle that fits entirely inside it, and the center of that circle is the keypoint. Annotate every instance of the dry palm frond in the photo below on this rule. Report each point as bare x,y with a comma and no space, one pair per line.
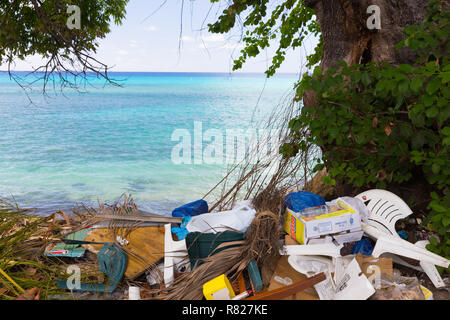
23,239
262,243
189,286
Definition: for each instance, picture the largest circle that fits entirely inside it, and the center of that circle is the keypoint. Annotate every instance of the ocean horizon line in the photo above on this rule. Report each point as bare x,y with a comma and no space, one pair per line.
166,72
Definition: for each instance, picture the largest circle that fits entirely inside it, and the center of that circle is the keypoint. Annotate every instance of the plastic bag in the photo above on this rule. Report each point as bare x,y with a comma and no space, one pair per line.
398,288
357,204
237,219
300,200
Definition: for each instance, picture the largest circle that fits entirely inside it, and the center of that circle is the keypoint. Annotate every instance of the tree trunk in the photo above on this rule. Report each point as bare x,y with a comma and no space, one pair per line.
347,37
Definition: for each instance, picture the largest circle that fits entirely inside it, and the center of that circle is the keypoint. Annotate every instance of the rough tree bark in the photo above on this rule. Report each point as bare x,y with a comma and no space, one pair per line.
346,36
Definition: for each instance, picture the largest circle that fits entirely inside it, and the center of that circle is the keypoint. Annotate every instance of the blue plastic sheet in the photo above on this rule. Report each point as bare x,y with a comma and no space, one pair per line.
363,246
300,200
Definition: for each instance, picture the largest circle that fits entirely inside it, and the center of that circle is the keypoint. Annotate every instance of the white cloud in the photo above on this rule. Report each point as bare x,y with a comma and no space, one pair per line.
214,38
133,43
187,39
122,52
151,28
233,46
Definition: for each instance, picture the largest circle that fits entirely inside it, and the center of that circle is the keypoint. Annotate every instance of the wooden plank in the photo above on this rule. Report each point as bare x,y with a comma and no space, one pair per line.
287,291
146,242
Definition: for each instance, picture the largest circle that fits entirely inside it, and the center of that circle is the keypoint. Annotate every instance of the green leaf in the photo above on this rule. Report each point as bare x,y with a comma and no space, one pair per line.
433,86
433,241
446,221
416,84
432,112
407,68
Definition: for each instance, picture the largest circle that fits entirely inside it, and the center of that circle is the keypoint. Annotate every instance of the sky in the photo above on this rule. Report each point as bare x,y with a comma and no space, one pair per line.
148,41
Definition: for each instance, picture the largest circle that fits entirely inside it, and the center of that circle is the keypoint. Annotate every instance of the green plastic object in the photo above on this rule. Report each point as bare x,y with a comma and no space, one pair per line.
113,262
63,249
201,245
255,276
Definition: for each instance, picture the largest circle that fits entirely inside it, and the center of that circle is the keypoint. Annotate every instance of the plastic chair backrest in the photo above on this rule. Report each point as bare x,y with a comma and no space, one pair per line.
113,262
386,209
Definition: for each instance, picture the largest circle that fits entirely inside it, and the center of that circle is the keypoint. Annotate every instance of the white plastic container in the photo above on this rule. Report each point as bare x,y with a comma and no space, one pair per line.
134,293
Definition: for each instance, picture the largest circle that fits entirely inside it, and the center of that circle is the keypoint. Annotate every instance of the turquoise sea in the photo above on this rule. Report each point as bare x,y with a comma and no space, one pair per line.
95,145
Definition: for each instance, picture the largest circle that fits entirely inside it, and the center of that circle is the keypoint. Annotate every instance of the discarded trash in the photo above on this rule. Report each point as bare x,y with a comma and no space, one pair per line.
255,277
243,295
402,288
364,246
356,204
145,246
285,281
121,241
191,209
284,292
430,269
403,234
373,268
62,249
113,261
326,249
342,218
353,284
134,293
427,293
153,275
300,200
340,238
218,288
312,265
385,208
174,256
201,245
181,231
396,245
284,270
239,218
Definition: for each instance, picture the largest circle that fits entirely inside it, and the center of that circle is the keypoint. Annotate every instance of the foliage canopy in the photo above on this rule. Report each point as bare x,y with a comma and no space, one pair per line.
40,27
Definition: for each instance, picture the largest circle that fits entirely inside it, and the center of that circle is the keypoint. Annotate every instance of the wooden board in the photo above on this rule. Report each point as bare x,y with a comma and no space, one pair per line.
283,270
147,242
290,291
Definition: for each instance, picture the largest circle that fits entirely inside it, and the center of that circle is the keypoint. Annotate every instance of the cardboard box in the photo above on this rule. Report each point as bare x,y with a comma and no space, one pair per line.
384,265
303,229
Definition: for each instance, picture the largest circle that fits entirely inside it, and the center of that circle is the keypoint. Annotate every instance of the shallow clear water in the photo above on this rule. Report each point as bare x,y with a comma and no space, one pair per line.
97,145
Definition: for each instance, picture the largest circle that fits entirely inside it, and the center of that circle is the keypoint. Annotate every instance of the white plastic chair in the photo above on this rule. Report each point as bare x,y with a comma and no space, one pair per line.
174,256
386,209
